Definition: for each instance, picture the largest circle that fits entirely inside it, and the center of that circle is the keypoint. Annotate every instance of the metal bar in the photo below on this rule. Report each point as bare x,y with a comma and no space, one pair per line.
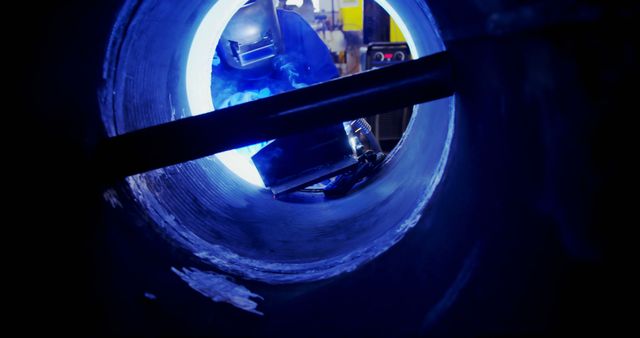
335,101
333,15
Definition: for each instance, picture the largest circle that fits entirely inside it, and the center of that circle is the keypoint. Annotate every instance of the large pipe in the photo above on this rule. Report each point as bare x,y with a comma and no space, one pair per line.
360,95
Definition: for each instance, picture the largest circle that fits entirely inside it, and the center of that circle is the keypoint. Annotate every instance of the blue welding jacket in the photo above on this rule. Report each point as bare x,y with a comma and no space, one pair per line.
306,60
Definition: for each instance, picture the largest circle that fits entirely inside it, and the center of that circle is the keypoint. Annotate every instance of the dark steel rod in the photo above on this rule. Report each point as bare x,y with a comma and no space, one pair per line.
335,101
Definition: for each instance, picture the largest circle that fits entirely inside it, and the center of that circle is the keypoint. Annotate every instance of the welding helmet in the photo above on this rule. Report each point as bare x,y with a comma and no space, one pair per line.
252,38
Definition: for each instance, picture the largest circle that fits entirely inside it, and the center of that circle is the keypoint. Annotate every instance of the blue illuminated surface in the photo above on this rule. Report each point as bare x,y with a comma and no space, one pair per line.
206,210
198,82
219,288
198,78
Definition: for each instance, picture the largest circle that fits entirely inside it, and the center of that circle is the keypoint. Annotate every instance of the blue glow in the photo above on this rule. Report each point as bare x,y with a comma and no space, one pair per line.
240,163
402,25
198,77
150,296
220,288
316,3
203,48
198,81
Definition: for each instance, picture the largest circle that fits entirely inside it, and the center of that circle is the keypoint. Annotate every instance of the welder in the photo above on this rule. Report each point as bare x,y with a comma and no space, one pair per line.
265,51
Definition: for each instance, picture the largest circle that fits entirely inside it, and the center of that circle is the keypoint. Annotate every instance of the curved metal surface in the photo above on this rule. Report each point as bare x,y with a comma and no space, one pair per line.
521,238
236,226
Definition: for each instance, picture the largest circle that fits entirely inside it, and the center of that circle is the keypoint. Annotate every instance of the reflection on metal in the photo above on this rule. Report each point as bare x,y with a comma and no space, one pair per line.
252,37
220,288
298,161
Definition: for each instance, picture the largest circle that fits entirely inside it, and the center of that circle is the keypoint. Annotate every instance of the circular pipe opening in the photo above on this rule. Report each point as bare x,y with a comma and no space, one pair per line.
203,207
